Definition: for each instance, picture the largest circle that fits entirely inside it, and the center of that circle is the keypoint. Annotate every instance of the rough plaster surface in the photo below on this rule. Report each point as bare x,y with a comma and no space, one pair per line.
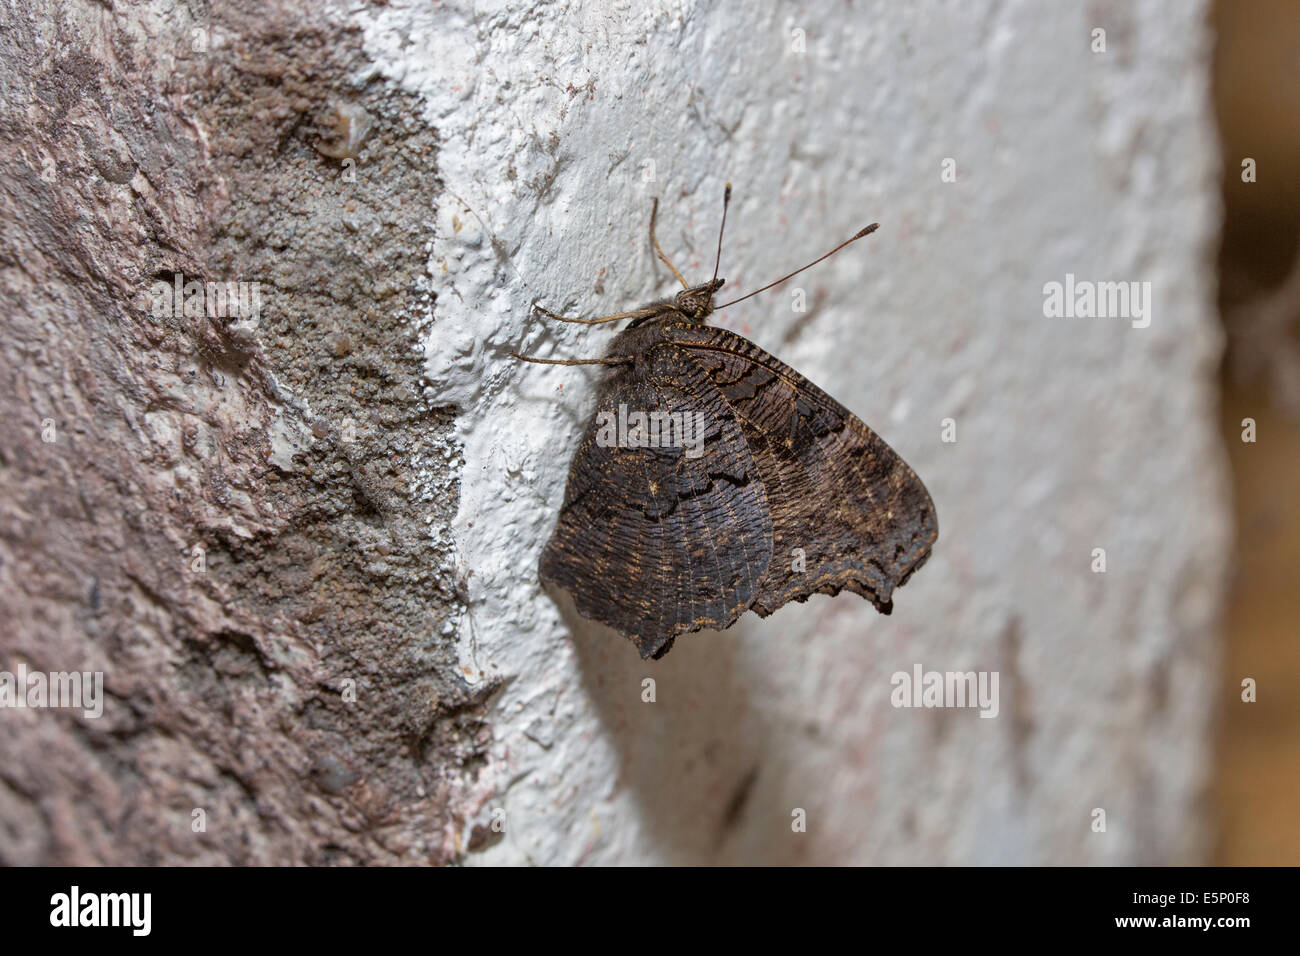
558,123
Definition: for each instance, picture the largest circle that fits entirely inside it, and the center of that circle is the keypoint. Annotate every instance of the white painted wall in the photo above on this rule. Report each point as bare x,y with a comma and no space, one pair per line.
1072,433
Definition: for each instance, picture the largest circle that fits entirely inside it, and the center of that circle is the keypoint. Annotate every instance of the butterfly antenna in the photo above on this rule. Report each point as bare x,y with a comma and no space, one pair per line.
854,238
726,201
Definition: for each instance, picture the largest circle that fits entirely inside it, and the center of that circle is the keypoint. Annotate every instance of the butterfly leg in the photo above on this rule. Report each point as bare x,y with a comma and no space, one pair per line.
610,360
635,314
654,211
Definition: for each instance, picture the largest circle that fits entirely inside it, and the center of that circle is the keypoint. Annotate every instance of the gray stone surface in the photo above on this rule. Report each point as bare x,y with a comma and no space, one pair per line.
134,148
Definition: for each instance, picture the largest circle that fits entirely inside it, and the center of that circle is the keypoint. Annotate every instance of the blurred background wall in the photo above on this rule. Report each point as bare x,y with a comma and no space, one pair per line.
1257,102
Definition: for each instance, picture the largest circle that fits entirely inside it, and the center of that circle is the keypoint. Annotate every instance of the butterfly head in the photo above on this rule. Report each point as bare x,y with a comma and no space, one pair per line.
696,303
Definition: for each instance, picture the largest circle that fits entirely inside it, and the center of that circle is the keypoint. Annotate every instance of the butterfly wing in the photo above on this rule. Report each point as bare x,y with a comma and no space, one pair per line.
658,542
859,515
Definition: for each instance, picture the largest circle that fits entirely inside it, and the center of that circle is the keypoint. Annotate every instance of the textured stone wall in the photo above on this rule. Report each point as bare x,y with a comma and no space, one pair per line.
235,520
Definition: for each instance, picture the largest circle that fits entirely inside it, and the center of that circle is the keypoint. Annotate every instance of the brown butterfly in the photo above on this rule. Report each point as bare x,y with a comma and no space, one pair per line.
782,494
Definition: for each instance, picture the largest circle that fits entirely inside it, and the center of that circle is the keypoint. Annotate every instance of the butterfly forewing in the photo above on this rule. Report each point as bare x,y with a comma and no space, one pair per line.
847,512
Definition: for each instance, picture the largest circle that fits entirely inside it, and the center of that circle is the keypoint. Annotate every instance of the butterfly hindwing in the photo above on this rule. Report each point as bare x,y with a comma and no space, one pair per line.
659,541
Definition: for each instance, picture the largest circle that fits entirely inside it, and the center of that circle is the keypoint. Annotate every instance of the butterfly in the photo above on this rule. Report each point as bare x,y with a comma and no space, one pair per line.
783,494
